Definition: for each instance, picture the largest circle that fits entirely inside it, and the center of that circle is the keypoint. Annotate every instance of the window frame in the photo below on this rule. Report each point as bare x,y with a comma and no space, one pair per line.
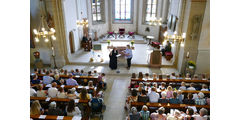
123,21
101,13
145,4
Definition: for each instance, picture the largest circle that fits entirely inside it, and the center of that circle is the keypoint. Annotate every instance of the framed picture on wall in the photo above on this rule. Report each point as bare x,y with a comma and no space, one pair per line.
170,21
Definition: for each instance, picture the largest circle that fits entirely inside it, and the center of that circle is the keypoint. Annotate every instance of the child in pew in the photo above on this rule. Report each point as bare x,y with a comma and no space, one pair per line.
174,100
163,98
180,96
183,87
204,87
189,99
169,92
191,87
188,77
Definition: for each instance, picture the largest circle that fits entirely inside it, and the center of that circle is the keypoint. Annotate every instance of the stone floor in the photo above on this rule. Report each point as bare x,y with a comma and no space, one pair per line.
141,55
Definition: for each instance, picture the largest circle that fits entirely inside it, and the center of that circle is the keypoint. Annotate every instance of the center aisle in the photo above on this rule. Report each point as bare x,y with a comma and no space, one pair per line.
115,97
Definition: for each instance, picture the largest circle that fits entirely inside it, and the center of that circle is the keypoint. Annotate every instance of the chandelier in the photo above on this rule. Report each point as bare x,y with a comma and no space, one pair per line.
155,21
83,22
173,38
43,31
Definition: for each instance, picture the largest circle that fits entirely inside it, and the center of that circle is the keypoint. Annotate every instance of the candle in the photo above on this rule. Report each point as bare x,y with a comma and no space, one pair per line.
187,54
53,51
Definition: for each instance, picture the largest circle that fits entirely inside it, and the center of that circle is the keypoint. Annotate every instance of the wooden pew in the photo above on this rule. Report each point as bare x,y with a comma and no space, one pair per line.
74,77
51,117
187,91
171,80
57,99
65,86
177,106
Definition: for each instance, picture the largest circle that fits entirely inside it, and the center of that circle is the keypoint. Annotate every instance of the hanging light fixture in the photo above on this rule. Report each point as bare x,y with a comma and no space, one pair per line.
43,31
173,38
83,22
154,21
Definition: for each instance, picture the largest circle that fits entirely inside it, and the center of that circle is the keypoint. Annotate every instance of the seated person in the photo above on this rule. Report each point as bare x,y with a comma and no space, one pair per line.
53,110
71,81
101,81
84,39
177,116
134,114
189,113
162,86
141,87
180,96
143,97
173,76
204,87
203,115
191,87
159,115
61,93
168,48
72,110
36,108
32,92
82,73
174,100
146,76
41,92
47,79
188,77
95,73
35,80
204,77
61,72
84,95
57,76
169,92
132,98
148,87
89,73
90,87
66,72
183,87
140,75
52,91
154,76
163,99
200,100
77,72
155,85
71,94
179,77
168,76
189,99
62,82
153,96
133,75
144,113
195,77
72,72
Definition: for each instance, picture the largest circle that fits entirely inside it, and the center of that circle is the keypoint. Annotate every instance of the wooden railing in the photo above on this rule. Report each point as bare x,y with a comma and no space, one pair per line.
170,80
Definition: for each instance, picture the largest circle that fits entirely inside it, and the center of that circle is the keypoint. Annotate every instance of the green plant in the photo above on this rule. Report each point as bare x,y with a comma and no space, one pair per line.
132,42
191,63
108,41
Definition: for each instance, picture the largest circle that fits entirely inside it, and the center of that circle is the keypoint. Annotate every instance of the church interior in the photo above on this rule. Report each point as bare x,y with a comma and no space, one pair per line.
161,69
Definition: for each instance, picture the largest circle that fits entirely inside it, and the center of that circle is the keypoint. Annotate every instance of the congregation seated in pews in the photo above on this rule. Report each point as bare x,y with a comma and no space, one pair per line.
174,114
61,91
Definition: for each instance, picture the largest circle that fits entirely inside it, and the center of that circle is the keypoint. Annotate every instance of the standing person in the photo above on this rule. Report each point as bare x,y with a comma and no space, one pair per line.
128,56
113,58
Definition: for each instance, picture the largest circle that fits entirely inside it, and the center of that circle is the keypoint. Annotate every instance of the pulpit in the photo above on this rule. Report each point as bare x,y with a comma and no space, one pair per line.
156,58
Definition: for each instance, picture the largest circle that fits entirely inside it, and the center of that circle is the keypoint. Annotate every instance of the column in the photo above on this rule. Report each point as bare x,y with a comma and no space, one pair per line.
165,10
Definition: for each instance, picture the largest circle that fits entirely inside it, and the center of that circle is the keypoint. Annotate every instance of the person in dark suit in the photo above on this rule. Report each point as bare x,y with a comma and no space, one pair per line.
168,48
113,59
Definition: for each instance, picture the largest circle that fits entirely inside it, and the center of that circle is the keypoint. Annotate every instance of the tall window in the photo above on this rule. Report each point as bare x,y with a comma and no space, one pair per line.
123,10
151,9
96,10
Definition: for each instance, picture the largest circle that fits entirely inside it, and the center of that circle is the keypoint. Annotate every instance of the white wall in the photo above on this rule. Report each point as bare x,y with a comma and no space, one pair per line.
203,58
102,28
70,13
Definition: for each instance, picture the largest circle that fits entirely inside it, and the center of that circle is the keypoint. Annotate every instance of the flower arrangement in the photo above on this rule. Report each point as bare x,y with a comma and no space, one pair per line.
191,63
108,41
132,42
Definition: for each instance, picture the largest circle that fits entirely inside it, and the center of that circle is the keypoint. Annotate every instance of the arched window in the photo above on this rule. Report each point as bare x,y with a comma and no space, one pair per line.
123,10
98,11
150,10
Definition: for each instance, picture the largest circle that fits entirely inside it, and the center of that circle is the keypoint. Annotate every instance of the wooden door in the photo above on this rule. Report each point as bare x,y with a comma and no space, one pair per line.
71,41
